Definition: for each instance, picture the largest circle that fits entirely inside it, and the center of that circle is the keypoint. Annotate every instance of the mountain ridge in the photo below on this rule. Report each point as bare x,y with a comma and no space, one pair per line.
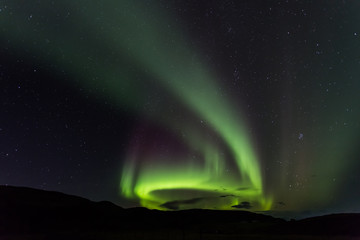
27,211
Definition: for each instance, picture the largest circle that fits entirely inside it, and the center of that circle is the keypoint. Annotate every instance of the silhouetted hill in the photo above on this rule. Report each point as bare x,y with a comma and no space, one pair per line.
39,214
22,196
25,210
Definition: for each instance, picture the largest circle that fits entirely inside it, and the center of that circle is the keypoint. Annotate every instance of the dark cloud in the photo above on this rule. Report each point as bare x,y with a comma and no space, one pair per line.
230,195
175,205
244,205
242,188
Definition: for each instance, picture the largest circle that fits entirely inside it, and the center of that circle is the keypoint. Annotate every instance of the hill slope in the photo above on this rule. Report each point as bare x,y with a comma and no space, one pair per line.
31,212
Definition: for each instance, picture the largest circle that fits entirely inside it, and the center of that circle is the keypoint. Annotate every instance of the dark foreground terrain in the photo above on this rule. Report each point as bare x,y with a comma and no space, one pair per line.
35,214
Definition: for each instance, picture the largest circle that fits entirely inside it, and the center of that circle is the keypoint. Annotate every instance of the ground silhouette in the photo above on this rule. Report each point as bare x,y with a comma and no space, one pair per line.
36,214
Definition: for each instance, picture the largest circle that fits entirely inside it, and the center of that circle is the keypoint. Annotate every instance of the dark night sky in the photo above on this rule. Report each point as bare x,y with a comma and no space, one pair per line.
183,104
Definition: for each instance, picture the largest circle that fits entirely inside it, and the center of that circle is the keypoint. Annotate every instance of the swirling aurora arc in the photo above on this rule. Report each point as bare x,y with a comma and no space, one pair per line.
194,147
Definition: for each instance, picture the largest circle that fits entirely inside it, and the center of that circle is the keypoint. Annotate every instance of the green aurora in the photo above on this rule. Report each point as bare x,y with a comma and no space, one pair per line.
167,62
118,51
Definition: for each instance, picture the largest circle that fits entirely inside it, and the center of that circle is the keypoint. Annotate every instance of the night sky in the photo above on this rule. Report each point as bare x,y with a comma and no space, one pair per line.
175,104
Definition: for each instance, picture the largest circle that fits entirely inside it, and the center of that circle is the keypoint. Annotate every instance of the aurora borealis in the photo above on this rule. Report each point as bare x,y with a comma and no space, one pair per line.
184,104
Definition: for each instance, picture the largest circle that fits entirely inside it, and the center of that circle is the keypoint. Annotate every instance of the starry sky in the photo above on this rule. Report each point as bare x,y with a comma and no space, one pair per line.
184,104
